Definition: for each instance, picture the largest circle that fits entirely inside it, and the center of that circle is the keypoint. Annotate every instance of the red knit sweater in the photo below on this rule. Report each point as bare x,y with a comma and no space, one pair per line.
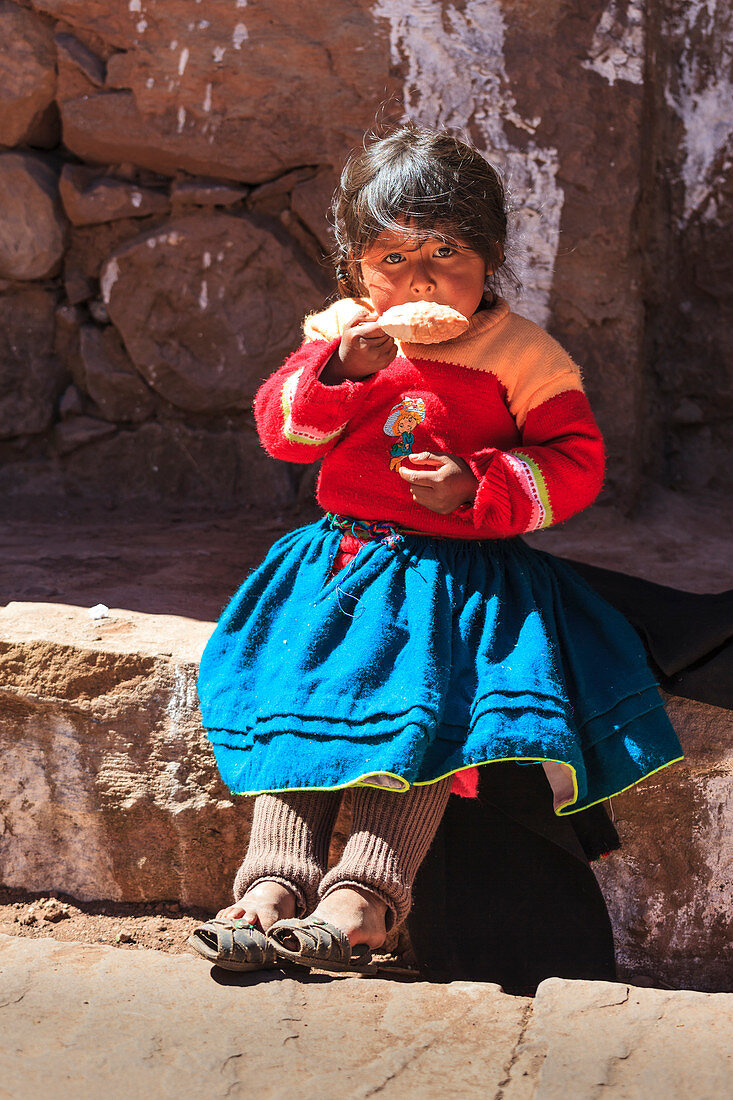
504,396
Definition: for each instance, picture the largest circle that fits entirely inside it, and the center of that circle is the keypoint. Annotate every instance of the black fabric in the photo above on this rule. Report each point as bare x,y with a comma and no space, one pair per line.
506,894
689,641
688,636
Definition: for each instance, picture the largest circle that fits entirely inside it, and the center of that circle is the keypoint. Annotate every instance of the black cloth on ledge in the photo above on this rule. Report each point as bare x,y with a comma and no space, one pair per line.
505,893
688,636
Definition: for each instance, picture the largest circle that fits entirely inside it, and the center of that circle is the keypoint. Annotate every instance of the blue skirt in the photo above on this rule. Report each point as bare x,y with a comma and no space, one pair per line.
421,658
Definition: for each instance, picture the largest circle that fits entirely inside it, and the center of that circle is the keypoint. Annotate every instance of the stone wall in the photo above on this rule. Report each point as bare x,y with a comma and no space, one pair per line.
165,170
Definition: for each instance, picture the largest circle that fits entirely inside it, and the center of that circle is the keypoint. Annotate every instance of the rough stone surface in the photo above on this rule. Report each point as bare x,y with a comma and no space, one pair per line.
193,192
117,770
204,91
689,257
203,309
78,431
32,225
31,377
91,246
153,464
110,378
27,75
70,49
88,1020
90,198
311,202
586,1039
674,874
84,1020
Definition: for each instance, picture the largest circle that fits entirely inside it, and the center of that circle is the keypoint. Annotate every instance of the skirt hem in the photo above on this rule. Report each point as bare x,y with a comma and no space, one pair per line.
564,810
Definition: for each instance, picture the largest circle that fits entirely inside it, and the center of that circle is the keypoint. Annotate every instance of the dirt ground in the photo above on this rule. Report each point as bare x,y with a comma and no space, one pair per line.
161,927
184,565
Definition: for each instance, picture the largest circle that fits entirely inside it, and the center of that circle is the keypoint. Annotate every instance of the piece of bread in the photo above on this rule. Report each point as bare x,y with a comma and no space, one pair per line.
423,323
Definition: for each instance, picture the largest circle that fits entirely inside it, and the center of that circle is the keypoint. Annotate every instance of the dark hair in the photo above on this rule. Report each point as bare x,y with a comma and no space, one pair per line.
422,183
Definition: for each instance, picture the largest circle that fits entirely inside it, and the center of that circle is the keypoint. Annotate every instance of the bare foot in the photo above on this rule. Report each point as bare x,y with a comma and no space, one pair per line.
358,913
261,906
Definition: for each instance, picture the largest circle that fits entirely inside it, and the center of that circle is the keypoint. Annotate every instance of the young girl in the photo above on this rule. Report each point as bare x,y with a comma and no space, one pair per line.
410,635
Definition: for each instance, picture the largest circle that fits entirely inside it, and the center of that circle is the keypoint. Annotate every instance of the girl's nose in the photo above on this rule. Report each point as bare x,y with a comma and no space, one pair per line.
422,281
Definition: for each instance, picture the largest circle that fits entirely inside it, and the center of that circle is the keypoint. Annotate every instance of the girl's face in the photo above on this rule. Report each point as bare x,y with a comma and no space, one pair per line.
396,269
406,423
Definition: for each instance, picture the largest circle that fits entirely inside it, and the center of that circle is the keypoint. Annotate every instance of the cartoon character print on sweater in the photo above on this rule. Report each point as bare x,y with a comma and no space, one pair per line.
403,418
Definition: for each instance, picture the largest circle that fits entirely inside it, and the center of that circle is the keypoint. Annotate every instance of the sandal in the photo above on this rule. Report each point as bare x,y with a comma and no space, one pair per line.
320,945
233,945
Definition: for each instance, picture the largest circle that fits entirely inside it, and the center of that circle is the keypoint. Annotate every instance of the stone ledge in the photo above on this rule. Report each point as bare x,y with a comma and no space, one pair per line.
109,789
84,1020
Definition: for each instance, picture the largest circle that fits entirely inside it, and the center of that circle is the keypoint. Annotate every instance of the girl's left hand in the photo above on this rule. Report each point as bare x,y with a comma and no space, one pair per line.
445,487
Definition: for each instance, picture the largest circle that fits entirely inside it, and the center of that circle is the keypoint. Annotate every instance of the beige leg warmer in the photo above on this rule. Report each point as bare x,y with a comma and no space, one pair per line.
289,843
390,836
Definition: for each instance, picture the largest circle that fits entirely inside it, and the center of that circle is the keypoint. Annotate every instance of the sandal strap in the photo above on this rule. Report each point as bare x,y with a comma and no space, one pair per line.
238,942
318,940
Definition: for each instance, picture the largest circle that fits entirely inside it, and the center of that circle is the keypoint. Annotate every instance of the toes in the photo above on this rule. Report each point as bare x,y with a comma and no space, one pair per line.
267,918
231,912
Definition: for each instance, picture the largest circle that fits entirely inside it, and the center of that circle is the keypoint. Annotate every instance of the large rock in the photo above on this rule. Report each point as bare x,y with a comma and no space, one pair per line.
31,376
110,378
208,306
122,1024
27,75
669,890
634,1044
239,92
148,1024
134,813
90,197
32,224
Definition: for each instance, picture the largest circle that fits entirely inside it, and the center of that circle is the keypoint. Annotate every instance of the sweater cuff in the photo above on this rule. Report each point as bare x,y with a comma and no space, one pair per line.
492,503
315,392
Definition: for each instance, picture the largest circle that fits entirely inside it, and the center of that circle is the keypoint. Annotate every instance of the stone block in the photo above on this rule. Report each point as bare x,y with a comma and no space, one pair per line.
32,224
90,197
27,73
124,1024
670,888
31,376
92,1020
209,305
109,787
586,1039
205,92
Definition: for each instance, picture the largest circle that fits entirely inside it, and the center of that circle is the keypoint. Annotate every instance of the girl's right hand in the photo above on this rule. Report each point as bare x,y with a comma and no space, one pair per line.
365,348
